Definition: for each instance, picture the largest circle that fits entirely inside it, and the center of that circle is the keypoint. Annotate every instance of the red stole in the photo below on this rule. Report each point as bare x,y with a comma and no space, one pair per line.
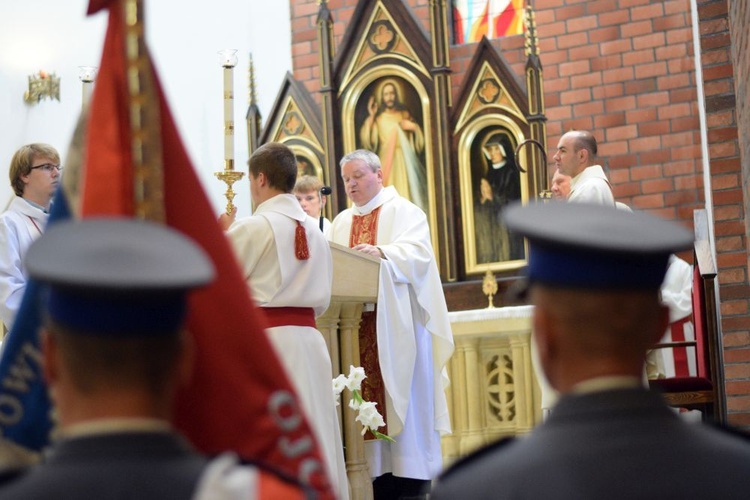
365,230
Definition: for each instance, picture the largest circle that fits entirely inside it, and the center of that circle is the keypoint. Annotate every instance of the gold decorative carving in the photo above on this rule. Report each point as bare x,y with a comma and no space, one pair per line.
482,91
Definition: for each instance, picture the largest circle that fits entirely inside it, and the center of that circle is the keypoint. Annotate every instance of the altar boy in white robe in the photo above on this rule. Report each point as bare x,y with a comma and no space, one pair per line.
286,261
404,357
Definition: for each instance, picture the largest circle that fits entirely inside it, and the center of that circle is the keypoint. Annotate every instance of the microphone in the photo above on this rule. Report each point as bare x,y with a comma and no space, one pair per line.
324,191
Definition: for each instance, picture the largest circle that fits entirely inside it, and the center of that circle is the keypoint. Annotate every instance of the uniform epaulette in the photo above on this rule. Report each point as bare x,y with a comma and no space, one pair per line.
476,455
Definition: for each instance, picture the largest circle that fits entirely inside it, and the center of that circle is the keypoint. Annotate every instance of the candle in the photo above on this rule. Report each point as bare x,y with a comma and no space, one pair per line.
228,59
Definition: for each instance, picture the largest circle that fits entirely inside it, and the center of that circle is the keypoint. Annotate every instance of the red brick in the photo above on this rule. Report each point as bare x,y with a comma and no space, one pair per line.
587,80
573,11
686,153
623,162
638,57
590,51
729,243
736,339
574,68
643,86
649,41
679,35
716,41
609,120
575,96
622,133
674,110
640,115
606,62
717,72
653,69
637,28
619,104
680,198
712,57
712,9
617,75
559,113
652,99
685,123
726,165
688,182
659,156
644,144
601,6
727,212
738,403
671,51
679,168
615,47
722,150
680,65
620,16
673,81
627,189
671,22
608,91
718,87
713,27
729,228
605,34
574,40
646,172
613,148
682,95
653,128
590,108
724,181
648,201
727,197
720,119
737,259
722,134
584,23
657,186
678,139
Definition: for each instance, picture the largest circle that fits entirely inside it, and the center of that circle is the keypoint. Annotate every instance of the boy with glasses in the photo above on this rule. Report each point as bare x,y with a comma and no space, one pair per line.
34,175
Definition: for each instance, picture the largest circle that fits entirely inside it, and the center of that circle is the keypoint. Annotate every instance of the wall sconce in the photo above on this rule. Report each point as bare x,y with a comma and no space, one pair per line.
42,85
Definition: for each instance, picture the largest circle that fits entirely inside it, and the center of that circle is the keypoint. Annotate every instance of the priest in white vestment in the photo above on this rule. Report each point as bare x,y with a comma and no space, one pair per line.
575,156
287,263
414,339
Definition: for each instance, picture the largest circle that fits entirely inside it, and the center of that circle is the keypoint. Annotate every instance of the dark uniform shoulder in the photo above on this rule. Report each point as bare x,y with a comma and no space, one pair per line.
7,476
477,456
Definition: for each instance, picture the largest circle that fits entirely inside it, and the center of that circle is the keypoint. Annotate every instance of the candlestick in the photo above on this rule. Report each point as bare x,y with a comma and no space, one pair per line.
228,59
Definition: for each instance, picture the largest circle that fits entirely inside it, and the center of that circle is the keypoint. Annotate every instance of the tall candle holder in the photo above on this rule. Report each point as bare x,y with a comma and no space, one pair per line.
228,60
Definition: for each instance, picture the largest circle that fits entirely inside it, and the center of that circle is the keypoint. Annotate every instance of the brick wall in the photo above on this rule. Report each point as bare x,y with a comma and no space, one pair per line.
624,69
727,107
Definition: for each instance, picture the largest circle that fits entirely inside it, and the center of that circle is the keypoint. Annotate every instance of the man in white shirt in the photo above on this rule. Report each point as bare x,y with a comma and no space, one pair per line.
34,175
575,157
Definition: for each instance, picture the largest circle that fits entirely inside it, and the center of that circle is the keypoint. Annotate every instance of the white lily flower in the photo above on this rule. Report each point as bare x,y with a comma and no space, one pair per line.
356,376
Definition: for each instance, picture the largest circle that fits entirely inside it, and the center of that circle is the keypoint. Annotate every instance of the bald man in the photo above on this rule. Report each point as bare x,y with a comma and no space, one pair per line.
576,157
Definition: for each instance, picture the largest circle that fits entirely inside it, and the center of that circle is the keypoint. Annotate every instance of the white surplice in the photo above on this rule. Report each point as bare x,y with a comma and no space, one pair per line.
20,225
591,186
264,245
414,337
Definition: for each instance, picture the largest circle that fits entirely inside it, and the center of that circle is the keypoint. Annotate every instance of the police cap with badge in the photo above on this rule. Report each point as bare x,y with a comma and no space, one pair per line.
579,245
117,276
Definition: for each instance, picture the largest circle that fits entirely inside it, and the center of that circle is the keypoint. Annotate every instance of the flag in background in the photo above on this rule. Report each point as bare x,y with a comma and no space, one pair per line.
239,398
473,19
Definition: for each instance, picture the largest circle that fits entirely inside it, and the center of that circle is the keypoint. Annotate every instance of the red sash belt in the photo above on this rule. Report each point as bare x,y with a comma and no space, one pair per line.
289,316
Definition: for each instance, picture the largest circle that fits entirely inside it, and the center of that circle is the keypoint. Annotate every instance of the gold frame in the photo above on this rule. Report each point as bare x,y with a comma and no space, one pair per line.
467,196
351,97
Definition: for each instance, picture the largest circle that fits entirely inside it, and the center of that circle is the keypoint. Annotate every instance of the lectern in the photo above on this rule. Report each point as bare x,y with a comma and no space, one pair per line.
355,283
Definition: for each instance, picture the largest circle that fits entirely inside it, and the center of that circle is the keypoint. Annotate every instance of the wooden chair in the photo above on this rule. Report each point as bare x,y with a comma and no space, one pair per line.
705,390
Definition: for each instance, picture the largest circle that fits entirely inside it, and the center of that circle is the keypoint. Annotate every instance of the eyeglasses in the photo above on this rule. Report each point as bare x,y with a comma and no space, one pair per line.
49,167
